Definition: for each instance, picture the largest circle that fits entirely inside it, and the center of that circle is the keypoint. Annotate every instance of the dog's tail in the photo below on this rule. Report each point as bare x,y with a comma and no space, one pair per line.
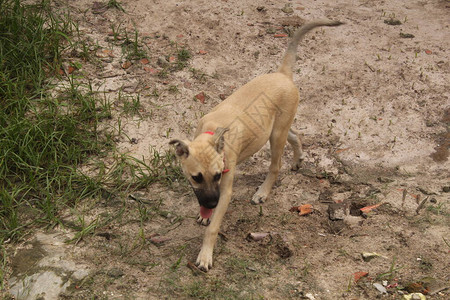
291,52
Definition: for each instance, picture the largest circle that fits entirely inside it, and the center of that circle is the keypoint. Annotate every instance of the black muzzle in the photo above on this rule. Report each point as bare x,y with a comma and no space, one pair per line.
207,198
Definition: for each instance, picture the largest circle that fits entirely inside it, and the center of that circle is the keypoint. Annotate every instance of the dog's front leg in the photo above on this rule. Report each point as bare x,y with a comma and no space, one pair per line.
205,257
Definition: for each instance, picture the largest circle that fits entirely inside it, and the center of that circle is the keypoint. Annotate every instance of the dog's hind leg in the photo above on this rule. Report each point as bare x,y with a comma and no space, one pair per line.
277,143
296,144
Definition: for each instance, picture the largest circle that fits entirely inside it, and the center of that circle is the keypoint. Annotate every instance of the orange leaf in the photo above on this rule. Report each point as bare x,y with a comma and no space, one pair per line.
144,61
369,208
280,35
359,275
428,52
202,52
70,69
305,209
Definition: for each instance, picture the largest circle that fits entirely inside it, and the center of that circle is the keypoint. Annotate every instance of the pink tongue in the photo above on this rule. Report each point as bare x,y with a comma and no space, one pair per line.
205,213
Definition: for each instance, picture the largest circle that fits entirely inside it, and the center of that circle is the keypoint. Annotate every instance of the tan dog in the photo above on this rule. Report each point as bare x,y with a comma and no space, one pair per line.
261,110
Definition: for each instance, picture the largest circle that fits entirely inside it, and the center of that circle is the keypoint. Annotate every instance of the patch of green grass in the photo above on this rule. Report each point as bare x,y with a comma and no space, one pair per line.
42,139
132,47
45,137
131,104
130,173
2,265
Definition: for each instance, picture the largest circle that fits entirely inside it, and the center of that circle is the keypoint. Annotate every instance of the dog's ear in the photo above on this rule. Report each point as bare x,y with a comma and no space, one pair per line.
181,148
219,140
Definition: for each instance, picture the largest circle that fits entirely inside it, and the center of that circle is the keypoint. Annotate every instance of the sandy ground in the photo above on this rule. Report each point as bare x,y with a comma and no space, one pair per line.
374,117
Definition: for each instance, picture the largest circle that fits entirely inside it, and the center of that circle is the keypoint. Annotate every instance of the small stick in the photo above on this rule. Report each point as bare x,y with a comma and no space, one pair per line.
223,236
194,268
405,192
421,205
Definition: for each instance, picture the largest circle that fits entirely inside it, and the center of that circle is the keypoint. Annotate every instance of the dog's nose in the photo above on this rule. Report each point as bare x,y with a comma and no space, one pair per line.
207,198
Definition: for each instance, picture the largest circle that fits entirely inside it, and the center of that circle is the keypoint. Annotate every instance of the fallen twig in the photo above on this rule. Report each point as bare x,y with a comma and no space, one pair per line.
421,205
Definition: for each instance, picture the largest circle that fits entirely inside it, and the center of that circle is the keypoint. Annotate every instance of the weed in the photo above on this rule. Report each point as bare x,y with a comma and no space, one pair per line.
85,229
392,271
163,73
198,74
155,93
349,285
184,55
115,31
168,131
181,254
115,4
131,47
132,105
437,209
173,89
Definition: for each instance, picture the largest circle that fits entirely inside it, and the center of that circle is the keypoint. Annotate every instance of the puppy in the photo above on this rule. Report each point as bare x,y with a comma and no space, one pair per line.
260,111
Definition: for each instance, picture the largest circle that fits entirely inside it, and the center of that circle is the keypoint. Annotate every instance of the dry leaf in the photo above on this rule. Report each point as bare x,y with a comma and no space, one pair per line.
359,275
305,209
369,208
200,97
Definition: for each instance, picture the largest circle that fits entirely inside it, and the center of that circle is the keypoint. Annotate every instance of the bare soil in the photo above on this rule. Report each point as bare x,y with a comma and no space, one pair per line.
374,119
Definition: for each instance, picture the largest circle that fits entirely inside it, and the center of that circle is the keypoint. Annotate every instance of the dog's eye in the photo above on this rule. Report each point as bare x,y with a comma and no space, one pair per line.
198,178
217,177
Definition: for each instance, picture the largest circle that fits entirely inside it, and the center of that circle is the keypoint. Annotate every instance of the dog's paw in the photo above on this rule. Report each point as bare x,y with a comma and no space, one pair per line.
204,260
297,164
202,221
258,198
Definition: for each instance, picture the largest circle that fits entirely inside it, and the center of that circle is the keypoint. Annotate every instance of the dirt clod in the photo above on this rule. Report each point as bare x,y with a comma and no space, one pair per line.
393,22
115,272
338,211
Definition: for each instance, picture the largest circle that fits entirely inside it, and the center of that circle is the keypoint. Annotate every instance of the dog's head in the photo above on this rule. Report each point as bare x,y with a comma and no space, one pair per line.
202,161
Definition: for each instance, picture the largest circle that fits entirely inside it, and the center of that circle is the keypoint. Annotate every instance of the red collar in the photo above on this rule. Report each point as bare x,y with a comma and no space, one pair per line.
225,170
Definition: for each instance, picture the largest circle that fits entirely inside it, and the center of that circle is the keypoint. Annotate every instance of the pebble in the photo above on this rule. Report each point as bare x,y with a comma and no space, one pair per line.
310,296
115,272
162,61
380,288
